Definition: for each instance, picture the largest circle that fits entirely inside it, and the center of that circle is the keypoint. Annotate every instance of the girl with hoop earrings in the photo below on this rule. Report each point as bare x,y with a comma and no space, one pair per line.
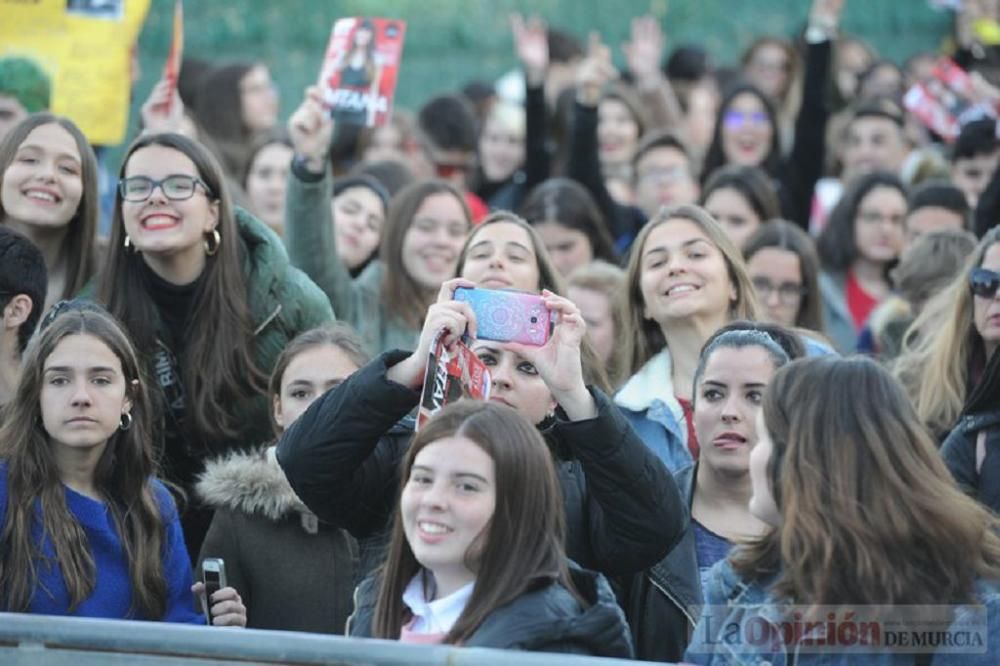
208,295
85,527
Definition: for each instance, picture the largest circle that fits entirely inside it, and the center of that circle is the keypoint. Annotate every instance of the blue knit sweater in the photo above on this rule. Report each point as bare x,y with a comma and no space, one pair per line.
112,595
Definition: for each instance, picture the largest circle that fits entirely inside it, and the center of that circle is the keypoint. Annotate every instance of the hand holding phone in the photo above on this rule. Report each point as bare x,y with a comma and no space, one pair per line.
559,362
213,575
508,316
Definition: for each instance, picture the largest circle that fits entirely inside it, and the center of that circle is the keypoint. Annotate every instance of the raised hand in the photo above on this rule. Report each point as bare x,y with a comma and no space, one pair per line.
644,51
558,361
310,129
163,111
594,72
531,44
448,316
826,14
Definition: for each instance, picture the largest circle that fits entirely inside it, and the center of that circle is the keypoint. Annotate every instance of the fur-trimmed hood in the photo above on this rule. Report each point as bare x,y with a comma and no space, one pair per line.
252,483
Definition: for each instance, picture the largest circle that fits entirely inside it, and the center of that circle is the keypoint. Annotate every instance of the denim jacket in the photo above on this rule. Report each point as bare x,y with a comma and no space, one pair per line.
649,403
732,601
836,315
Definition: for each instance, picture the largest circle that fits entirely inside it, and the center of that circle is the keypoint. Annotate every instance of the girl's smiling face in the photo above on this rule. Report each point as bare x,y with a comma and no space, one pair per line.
43,185
747,131
446,504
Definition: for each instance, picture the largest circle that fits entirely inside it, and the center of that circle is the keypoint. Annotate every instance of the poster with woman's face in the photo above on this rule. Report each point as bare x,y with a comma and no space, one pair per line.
360,69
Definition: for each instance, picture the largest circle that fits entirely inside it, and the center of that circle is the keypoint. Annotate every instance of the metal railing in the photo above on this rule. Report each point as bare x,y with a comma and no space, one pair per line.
63,641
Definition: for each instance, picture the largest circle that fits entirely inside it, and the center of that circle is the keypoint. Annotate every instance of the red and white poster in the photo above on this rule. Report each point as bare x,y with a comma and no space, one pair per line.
451,375
360,69
946,101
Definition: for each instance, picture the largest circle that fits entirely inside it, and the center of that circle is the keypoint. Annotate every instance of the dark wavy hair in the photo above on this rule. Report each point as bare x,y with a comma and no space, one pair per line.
837,245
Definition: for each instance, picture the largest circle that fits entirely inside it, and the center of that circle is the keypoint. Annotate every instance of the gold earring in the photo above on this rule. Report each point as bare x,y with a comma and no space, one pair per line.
212,242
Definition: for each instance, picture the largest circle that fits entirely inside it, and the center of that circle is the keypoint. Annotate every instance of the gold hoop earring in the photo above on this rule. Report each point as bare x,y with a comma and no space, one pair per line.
213,242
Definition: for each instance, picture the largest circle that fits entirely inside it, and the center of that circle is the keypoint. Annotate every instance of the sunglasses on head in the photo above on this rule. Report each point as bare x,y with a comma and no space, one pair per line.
984,282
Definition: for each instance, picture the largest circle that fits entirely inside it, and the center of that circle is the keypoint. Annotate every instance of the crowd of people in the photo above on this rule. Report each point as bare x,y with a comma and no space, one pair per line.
770,388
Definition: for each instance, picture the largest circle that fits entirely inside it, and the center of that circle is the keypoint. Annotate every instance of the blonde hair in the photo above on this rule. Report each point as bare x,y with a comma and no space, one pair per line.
608,280
642,338
934,367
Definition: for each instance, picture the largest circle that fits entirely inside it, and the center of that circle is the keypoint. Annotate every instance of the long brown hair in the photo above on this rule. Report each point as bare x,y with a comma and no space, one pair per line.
401,296
942,348
520,549
837,245
369,49
217,364
123,476
81,231
218,112
857,480
642,337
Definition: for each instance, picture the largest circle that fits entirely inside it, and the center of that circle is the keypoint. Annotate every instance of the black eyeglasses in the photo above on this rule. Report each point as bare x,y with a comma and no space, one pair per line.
789,293
984,282
177,187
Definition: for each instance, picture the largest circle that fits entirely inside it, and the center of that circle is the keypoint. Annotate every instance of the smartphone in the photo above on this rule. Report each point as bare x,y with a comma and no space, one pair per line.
213,574
508,316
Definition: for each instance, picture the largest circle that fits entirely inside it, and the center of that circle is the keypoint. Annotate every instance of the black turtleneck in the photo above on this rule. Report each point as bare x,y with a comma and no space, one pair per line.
174,302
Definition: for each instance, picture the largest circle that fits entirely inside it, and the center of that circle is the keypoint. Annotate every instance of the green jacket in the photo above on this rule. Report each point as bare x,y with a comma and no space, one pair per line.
313,248
283,302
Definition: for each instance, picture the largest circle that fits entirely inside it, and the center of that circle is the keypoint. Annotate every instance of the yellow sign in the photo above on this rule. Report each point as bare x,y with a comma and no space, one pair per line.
85,46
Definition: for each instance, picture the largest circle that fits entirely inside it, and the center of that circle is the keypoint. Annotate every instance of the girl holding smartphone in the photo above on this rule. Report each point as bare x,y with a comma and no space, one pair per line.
343,456
87,529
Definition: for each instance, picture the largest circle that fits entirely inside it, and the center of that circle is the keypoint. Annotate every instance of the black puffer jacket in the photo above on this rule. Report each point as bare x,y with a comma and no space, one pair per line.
546,619
664,603
980,417
959,453
342,457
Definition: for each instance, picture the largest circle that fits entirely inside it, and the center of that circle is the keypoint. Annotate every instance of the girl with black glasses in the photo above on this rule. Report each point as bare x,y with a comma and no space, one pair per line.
208,295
